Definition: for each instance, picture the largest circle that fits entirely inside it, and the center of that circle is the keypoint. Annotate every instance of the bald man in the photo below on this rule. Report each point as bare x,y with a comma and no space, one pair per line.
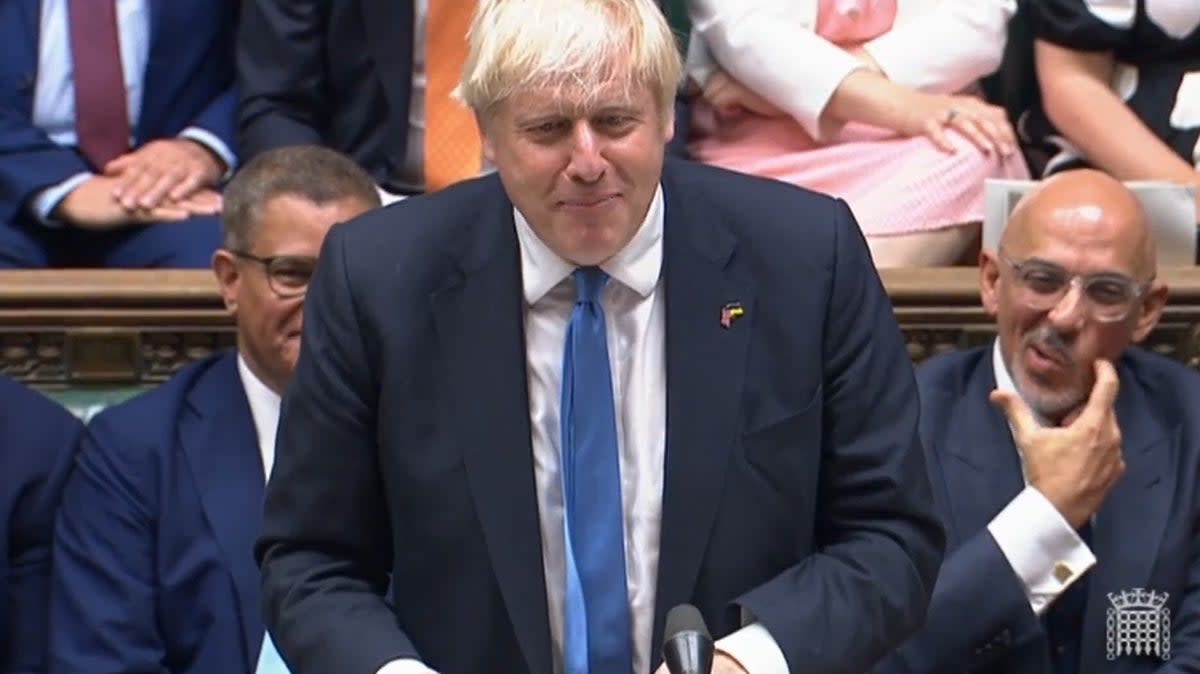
1065,463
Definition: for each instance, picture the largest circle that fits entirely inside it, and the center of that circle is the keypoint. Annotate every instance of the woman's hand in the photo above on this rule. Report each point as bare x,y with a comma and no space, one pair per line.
936,115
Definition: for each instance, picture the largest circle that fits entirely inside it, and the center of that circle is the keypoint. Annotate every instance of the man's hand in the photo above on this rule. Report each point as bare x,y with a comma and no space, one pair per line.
92,206
162,171
722,664
731,99
1073,466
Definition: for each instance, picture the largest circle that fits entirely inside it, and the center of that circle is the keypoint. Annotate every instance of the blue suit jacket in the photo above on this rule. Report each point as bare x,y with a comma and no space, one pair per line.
189,81
794,484
38,439
1145,535
153,569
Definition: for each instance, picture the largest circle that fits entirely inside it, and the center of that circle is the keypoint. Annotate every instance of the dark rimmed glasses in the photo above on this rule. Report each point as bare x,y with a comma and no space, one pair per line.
287,275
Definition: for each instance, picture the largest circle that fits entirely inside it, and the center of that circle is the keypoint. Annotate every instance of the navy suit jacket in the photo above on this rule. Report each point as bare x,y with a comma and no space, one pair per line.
189,81
794,483
1144,536
38,439
153,569
335,73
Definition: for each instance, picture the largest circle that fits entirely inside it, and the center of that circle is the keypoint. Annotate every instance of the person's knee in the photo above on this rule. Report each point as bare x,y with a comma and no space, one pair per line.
188,244
21,248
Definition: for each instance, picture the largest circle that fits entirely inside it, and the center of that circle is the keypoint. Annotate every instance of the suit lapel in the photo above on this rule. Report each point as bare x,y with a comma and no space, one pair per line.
1129,526
220,444
705,372
982,467
390,29
479,321
157,67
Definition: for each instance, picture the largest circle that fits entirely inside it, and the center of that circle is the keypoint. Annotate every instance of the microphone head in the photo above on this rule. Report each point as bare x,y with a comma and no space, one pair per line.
685,618
687,645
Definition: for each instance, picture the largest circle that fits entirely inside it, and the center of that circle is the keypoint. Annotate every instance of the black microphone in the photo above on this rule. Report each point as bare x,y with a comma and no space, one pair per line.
687,646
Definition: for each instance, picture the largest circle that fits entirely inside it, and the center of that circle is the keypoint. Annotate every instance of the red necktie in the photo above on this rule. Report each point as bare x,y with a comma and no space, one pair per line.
101,114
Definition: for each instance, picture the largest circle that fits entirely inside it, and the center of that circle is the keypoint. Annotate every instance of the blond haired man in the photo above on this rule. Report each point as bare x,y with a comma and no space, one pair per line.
551,404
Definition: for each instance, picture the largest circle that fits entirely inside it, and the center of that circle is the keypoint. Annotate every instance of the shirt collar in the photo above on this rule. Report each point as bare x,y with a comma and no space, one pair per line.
1004,380
264,406
636,266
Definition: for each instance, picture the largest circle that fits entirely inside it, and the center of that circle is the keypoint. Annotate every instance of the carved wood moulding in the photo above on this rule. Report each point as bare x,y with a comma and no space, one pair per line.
83,327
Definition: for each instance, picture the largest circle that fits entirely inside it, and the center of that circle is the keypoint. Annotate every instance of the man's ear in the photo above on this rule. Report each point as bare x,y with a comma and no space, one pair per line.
1152,305
989,281
229,278
489,150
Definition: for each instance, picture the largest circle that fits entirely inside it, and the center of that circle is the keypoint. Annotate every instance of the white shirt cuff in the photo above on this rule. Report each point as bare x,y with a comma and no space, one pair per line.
405,666
755,650
1043,549
215,145
44,203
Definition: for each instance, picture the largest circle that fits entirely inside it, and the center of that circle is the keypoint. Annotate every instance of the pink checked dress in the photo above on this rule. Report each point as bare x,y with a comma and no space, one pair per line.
894,185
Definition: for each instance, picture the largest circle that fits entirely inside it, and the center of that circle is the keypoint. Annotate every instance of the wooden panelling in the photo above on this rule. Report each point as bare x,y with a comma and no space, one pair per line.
75,327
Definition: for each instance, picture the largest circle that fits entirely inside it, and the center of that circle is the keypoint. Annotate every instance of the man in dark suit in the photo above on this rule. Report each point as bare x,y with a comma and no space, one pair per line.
153,569
38,439
353,75
456,418
1073,535
117,118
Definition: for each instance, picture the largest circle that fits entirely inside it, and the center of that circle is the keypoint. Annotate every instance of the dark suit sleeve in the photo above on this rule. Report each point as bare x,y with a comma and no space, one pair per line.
102,602
41,441
878,542
979,613
281,75
219,118
29,162
1185,621
326,550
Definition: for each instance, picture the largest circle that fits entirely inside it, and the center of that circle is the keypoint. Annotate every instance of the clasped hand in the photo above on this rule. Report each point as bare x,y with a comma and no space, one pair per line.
162,181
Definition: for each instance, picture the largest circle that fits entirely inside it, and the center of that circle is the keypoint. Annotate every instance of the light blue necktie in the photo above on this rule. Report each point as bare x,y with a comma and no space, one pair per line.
597,633
269,660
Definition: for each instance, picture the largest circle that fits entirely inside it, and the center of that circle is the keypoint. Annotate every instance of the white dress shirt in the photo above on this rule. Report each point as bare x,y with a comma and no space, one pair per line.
264,409
1041,546
635,309
54,90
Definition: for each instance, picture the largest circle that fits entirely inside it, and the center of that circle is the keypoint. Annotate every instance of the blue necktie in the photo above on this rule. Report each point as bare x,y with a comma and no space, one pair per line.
597,633
269,660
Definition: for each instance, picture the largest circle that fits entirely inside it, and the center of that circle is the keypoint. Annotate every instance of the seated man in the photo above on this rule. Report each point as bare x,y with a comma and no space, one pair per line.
38,439
1065,461
153,569
116,129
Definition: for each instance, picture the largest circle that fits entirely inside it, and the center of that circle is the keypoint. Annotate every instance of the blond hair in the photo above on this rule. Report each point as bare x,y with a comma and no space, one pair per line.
568,46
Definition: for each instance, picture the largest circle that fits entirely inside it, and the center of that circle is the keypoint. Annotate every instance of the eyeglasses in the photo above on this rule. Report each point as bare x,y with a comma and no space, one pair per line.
1109,296
287,275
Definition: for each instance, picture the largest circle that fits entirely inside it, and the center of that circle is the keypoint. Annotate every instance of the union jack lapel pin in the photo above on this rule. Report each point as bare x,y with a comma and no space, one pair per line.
730,313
